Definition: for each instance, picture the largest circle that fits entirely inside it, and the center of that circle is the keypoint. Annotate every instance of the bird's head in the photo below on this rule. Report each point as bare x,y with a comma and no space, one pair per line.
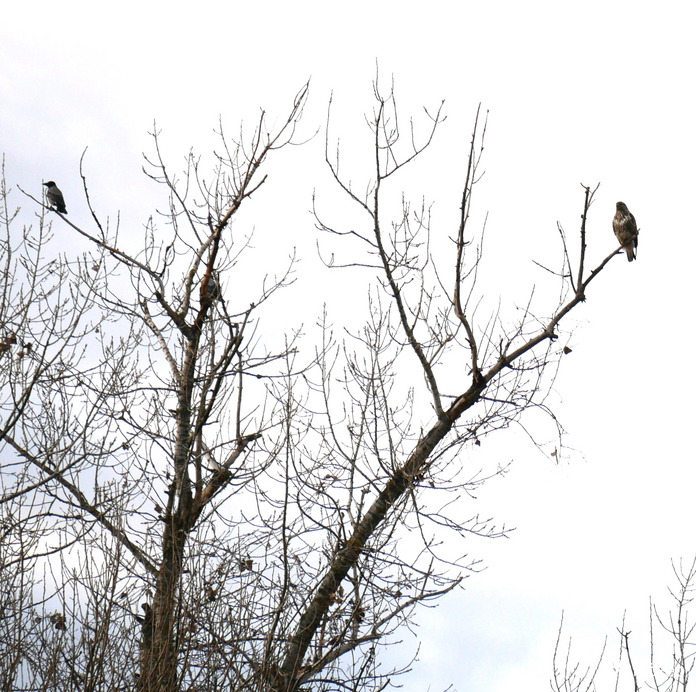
620,206
50,183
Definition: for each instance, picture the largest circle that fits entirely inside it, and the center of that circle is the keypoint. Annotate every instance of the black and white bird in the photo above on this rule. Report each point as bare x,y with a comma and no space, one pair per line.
213,288
55,197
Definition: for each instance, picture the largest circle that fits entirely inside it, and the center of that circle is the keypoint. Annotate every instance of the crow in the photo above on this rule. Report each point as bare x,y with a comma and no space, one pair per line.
55,197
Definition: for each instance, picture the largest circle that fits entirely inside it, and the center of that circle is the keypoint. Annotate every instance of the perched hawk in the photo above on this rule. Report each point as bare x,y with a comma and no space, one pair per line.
55,197
626,230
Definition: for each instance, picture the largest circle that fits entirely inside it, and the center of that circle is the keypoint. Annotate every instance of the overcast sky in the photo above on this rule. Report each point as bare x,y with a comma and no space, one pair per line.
582,92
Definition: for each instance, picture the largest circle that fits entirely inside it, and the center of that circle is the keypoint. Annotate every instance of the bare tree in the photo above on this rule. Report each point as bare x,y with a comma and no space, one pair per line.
568,675
669,660
268,513
674,674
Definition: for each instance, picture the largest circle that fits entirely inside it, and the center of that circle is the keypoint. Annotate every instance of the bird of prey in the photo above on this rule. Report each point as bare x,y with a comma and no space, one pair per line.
626,230
55,197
